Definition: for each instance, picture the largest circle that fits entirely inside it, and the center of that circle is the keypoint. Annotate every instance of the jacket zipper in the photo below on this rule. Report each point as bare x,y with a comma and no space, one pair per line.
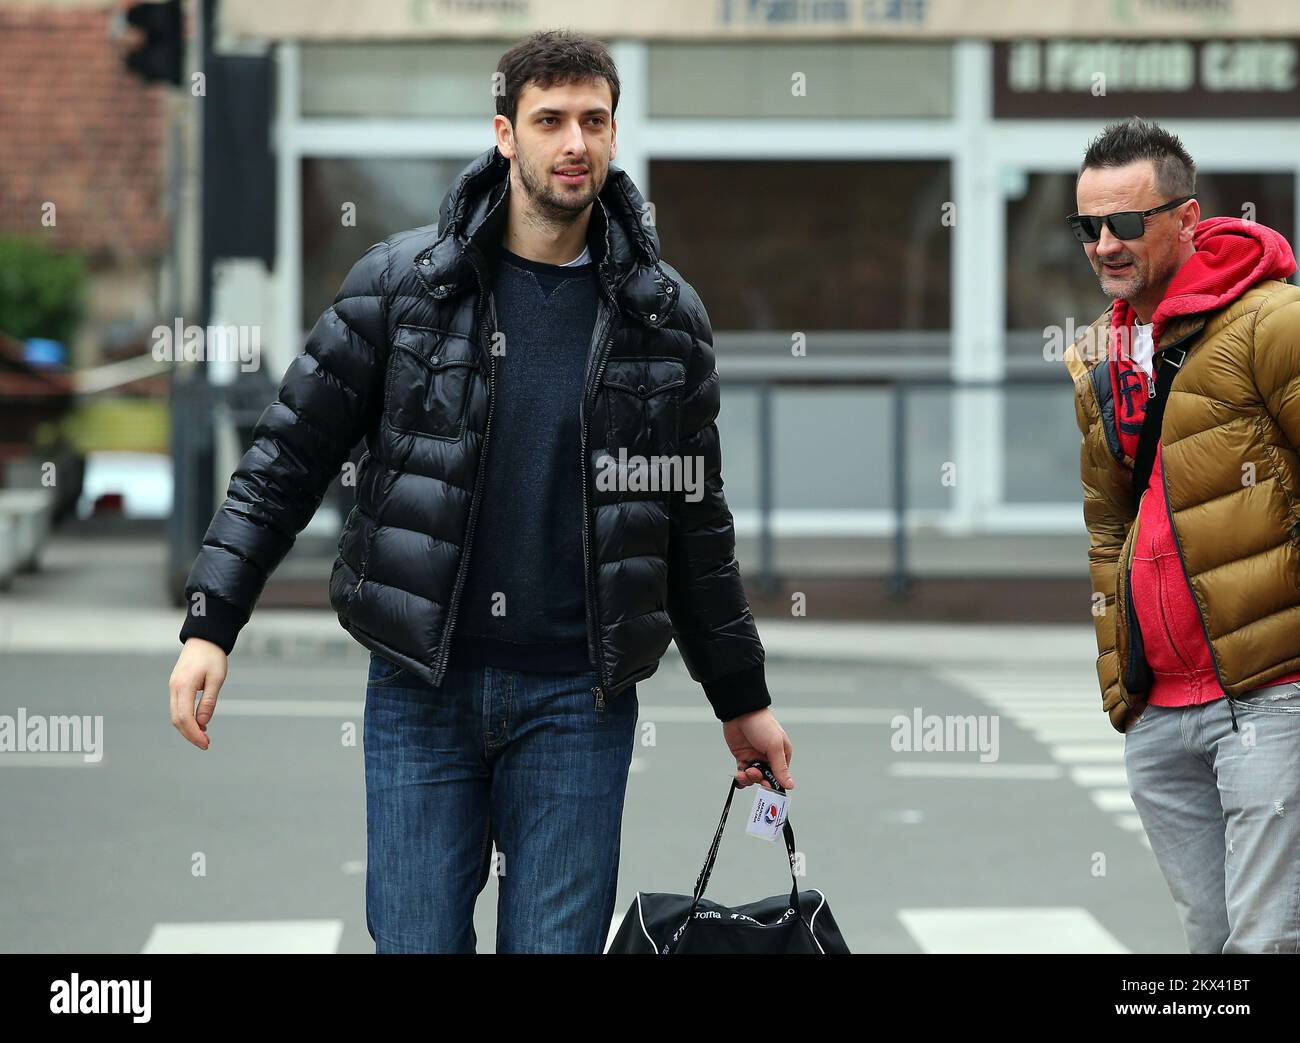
462,569
593,629
593,635
361,576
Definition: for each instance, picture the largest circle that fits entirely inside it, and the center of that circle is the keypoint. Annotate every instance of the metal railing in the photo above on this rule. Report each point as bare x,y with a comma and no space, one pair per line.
246,400
899,580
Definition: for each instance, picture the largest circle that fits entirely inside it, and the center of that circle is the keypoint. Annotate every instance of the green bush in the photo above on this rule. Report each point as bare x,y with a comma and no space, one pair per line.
42,291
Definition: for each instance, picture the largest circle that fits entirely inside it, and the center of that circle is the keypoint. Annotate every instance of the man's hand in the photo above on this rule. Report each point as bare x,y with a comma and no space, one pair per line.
758,736
201,667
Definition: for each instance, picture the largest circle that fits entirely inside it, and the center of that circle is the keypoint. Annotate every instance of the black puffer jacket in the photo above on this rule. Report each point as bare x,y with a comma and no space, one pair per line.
397,359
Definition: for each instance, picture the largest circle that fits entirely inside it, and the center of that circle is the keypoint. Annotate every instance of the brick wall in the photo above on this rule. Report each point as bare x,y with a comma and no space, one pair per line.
80,131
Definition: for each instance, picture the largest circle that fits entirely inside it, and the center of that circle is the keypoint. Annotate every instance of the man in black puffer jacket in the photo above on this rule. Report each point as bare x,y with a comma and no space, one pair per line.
494,363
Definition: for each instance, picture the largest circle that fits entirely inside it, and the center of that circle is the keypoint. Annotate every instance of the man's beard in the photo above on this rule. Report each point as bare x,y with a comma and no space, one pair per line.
539,188
1131,286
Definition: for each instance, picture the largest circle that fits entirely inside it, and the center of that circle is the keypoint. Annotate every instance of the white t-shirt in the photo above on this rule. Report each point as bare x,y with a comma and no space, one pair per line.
582,258
1143,348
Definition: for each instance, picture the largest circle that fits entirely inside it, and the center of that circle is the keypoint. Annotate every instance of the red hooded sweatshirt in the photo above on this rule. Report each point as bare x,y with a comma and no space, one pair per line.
1231,256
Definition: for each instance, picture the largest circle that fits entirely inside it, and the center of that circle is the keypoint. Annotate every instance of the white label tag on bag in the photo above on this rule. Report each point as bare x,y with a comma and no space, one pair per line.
768,814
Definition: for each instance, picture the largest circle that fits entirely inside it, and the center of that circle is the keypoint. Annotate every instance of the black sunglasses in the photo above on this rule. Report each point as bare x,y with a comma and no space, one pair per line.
1126,224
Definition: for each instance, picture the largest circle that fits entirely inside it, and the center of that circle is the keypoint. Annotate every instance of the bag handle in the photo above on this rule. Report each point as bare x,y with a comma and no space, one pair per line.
702,881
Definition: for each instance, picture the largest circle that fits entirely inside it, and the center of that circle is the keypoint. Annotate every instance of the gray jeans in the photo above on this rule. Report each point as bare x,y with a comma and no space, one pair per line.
1222,811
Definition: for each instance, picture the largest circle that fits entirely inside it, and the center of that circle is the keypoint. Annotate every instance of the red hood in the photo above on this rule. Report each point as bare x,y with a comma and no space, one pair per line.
1231,256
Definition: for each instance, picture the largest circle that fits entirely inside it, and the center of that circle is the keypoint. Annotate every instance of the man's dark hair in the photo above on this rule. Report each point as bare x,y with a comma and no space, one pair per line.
1134,139
550,58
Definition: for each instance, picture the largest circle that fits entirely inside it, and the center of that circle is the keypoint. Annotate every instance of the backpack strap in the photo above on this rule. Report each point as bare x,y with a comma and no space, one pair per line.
1171,362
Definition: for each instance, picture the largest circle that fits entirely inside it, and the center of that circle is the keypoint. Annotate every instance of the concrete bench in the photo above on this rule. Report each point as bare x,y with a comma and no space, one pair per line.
8,551
25,519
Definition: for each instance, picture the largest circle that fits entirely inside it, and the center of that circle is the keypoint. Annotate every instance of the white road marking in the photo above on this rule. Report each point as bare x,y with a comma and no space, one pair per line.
246,936
702,714
1060,708
785,714
1061,702
1113,800
1050,929
11,759
1099,775
905,816
288,708
1089,753
977,770
1066,734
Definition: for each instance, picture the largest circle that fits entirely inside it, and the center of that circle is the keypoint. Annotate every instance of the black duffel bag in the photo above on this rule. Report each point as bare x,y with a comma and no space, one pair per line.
800,922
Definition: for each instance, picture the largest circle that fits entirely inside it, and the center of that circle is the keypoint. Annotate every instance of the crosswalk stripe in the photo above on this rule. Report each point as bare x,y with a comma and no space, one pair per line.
648,711
1045,712
1048,709
1113,800
1086,753
1052,713
1099,775
967,770
1060,709
1018,678
47,760
1066,929
246,936
1058,734
289,708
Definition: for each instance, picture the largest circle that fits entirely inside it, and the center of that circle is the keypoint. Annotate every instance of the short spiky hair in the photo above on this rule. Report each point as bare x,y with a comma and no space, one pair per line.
1134,139
549,58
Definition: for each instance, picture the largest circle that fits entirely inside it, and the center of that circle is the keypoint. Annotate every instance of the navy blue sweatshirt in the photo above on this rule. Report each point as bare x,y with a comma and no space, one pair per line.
524,604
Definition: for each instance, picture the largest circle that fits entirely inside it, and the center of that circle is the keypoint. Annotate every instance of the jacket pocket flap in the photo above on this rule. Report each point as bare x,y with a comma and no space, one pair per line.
436,348
644,377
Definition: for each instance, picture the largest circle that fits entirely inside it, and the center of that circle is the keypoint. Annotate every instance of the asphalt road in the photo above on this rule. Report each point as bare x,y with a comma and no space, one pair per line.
259,843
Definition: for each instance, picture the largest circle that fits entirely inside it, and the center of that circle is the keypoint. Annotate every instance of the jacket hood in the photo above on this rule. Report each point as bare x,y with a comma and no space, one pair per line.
1231,256
622,240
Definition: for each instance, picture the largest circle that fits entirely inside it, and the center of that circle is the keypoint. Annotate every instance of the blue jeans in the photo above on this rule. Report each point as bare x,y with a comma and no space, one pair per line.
522,760
1222,812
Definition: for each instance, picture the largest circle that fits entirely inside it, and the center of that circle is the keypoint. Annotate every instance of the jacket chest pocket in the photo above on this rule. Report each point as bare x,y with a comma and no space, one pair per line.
430,372
643,404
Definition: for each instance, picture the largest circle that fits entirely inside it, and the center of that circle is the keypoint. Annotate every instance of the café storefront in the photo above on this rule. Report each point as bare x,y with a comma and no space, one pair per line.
902,213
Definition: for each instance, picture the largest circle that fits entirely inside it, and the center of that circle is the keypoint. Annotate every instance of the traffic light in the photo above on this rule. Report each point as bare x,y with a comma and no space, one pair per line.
158,59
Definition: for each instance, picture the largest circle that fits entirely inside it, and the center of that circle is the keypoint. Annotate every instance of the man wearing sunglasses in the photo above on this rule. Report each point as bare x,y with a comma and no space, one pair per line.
1187,392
